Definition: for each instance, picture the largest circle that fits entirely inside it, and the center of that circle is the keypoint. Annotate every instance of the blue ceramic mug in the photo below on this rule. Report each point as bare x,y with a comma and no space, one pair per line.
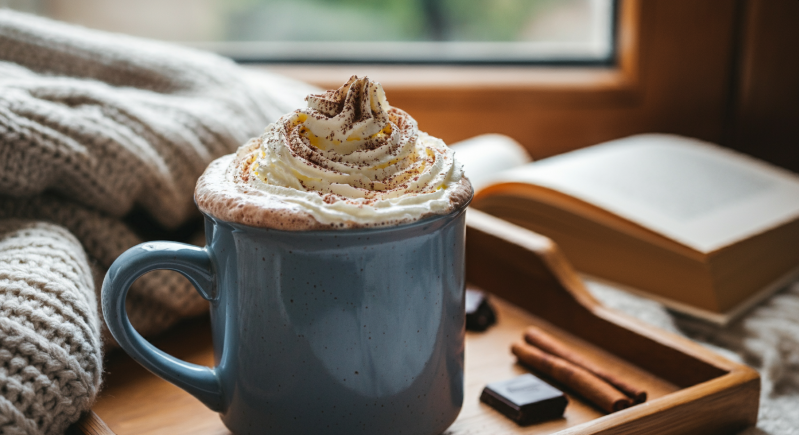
316,332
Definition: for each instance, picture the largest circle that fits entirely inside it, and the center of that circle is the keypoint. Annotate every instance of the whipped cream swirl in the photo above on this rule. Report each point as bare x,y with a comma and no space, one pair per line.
350,159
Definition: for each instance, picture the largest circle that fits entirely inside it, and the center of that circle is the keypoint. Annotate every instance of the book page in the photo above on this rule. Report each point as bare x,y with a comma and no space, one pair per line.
484,157
701,195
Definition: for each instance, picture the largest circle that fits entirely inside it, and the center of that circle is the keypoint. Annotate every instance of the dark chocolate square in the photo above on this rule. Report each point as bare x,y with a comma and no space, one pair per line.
479,313
525,399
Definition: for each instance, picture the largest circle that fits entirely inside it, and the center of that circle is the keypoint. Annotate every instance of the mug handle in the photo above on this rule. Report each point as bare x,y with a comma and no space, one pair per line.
195,264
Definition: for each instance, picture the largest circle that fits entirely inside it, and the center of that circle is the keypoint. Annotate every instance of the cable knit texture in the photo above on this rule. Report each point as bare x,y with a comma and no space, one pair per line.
50,354
96,131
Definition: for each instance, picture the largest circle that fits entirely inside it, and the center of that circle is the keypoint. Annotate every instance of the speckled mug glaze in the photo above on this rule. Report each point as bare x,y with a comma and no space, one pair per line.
335,332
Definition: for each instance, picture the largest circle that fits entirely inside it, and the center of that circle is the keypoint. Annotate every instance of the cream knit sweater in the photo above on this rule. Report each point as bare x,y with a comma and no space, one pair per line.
50,355
96,128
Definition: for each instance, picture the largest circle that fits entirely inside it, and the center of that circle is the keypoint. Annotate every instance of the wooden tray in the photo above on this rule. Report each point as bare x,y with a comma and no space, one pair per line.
691,389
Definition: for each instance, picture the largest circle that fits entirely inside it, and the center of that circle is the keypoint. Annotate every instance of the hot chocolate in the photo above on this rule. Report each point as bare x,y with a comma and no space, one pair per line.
349,160
334,332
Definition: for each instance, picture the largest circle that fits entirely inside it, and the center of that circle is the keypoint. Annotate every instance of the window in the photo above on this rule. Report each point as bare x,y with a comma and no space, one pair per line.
710,69
373,31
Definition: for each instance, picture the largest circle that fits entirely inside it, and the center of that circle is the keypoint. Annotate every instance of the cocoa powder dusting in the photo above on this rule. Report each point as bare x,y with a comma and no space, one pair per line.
384,158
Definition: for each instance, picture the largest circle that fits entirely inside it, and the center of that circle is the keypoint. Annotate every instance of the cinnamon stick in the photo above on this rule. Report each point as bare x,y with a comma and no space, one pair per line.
597,391
548,343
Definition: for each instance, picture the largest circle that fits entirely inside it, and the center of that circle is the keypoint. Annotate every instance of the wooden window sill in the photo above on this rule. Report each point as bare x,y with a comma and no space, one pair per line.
478,86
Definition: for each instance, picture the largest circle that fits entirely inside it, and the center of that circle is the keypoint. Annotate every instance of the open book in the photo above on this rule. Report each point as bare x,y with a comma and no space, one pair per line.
703,229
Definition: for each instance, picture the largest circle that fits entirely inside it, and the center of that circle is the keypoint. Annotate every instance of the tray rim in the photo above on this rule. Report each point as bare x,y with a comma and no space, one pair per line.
738,378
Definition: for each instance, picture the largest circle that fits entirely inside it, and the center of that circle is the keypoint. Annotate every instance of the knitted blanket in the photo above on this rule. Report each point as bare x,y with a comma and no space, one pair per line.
103,137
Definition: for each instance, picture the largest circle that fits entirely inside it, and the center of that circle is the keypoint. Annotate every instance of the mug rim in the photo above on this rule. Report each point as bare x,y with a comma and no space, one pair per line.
359,230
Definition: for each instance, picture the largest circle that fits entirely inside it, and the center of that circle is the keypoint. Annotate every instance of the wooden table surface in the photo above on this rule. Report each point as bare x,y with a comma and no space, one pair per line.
133,401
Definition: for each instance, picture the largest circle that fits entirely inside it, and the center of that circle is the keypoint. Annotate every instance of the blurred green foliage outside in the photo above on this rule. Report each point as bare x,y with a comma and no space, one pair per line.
393,20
